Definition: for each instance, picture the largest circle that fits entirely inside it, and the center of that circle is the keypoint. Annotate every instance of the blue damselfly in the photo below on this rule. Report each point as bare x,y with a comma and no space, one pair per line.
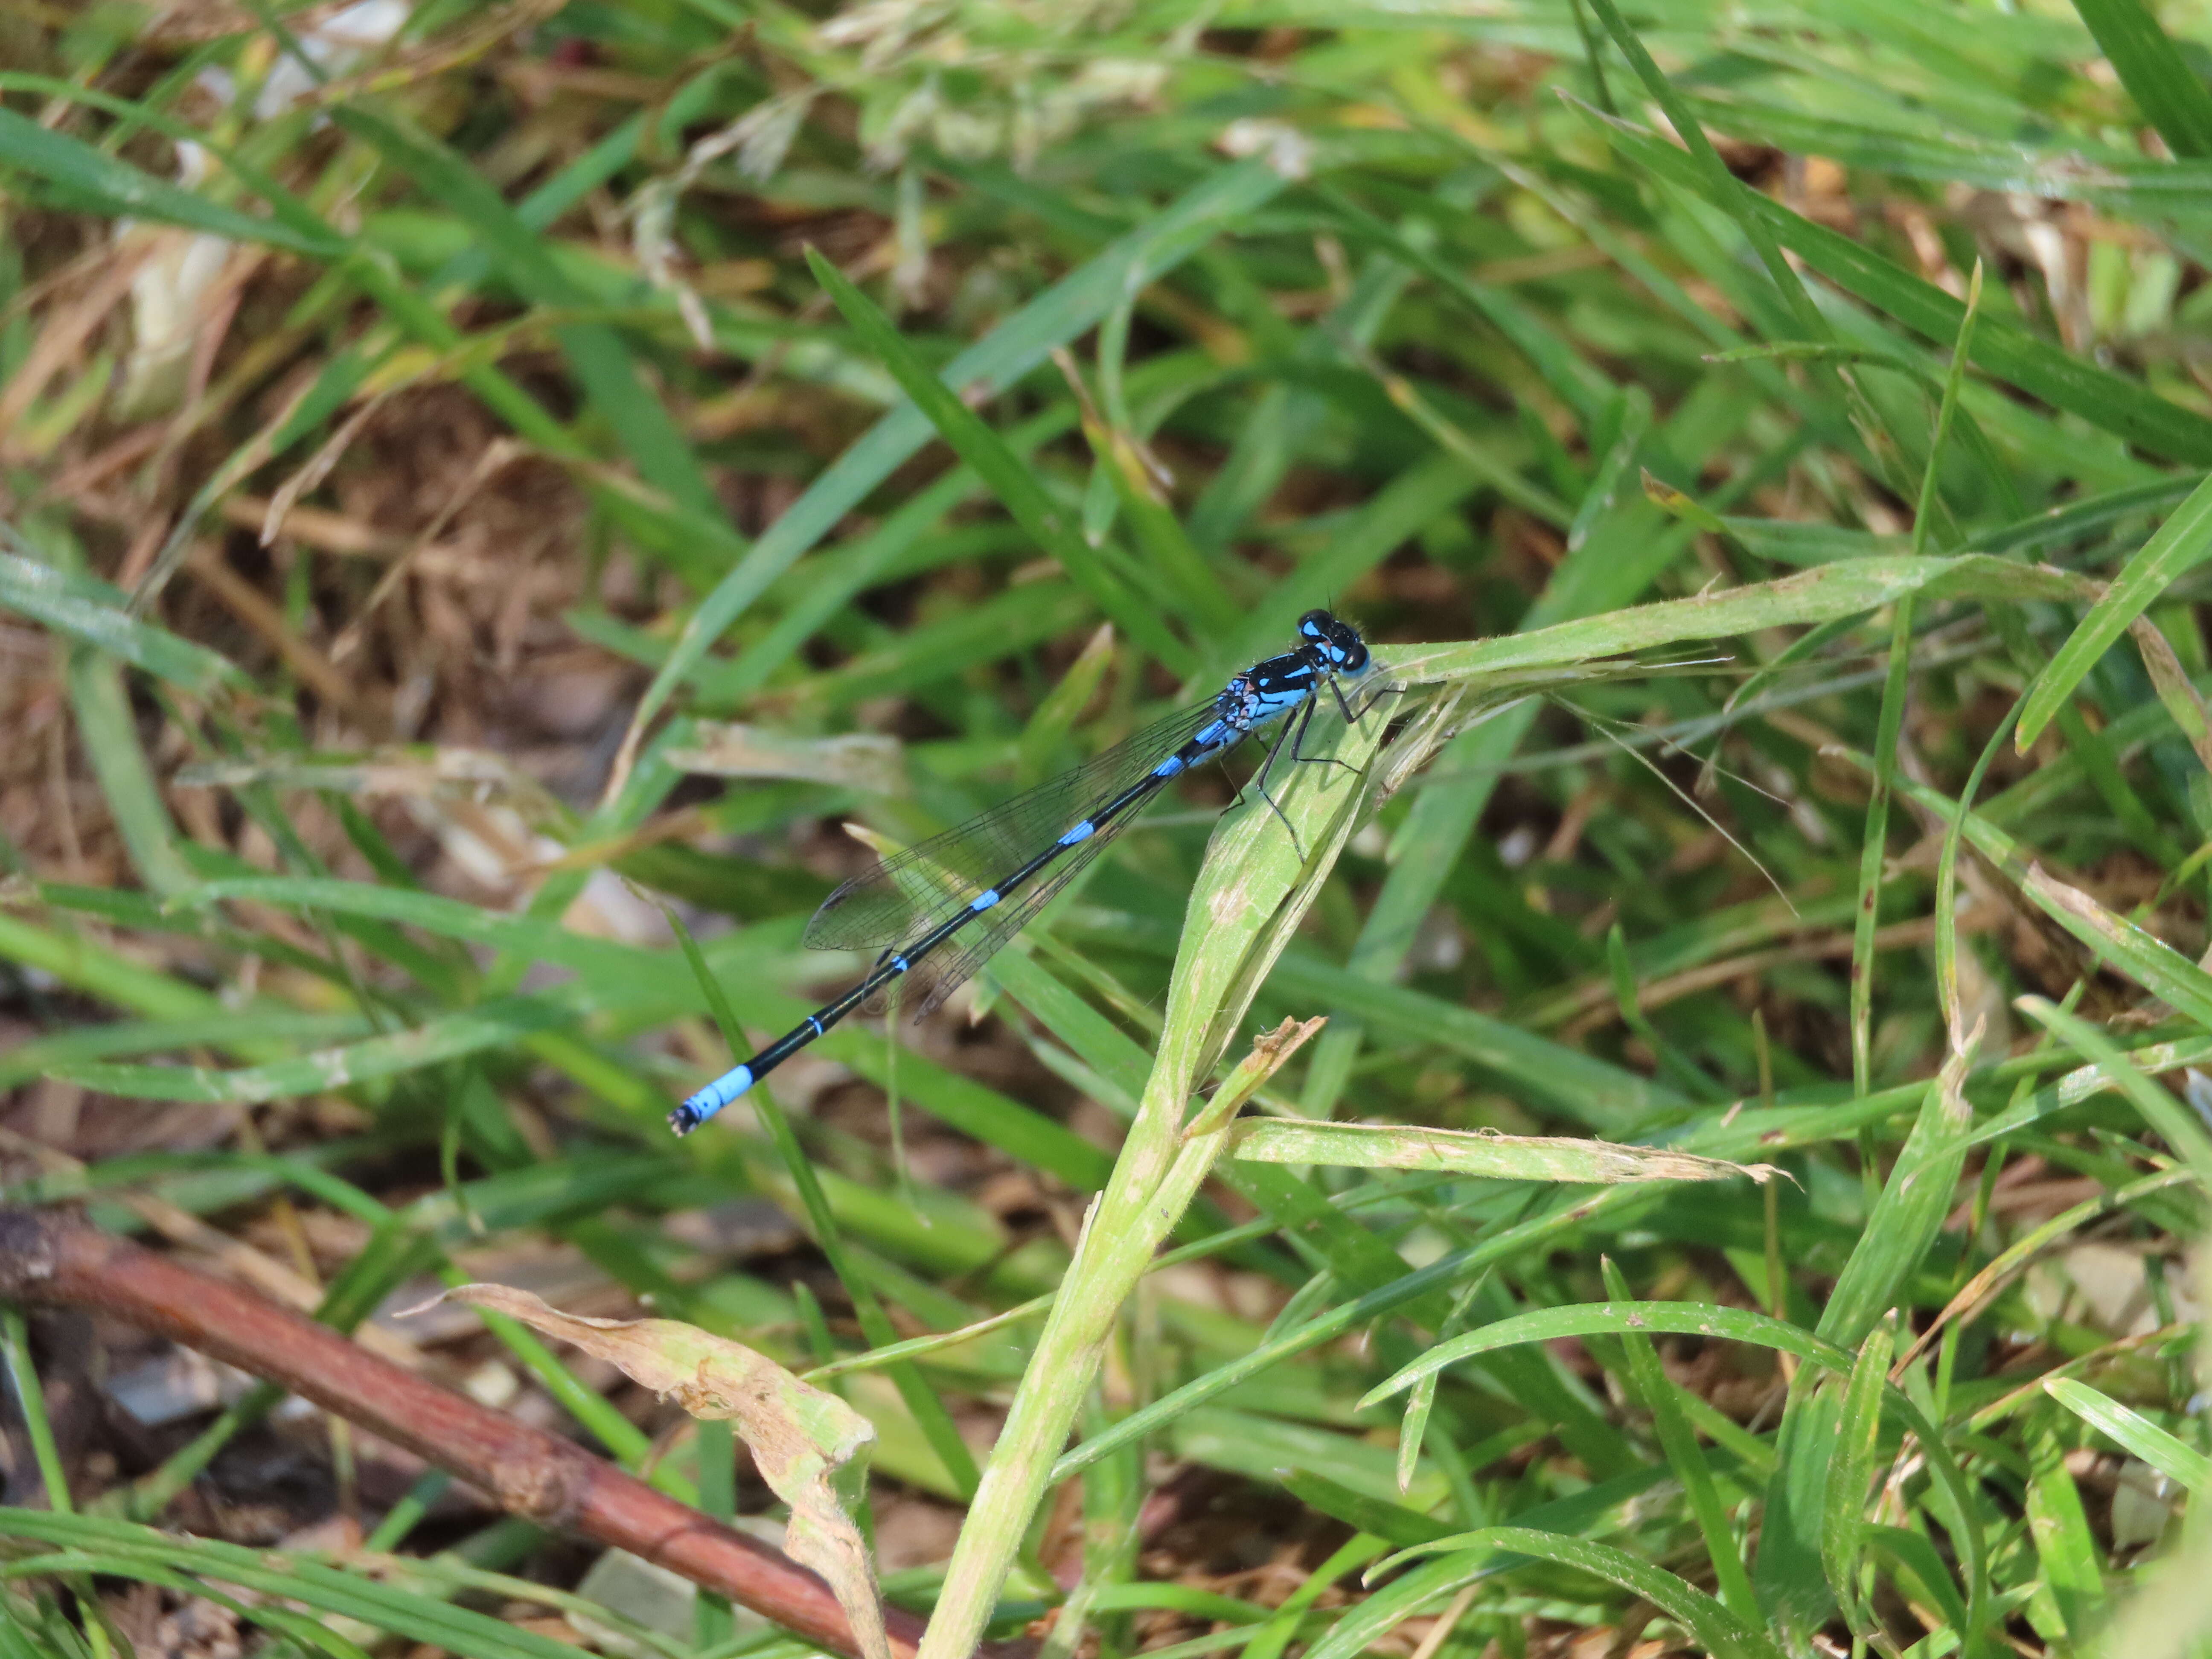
938,910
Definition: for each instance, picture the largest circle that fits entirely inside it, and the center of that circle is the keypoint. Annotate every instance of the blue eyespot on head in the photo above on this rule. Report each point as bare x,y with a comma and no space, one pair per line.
1337,642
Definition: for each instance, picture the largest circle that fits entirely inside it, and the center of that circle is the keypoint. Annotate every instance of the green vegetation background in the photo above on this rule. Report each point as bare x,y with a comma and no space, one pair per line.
1872,335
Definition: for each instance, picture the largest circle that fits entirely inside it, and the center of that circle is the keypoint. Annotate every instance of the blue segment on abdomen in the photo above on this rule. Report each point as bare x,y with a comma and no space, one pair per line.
984,901
1169,767
1082,832
719,1093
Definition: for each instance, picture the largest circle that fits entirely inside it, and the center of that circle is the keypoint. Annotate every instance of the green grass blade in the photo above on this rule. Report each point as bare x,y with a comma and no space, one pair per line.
2058,377
1713,1626
2065,1547
1073,304
2178,1462
2177,1126
30,1400
1712,170
1687,1461
84,609
2183,543
1907,1214
450,1037
1814,596
654,443
111,735
1858,1428
2169,92
1013,483
124,1548
118,189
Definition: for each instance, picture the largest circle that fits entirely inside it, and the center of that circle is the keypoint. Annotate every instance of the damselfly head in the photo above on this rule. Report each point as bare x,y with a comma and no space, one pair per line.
1337,641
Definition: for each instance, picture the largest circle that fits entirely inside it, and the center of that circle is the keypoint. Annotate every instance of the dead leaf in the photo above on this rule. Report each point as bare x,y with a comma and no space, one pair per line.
1476,1153
728,750
811,1447
2171,680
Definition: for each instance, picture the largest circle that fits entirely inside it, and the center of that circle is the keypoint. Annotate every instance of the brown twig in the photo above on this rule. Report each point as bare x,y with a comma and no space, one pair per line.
264,617
53,1261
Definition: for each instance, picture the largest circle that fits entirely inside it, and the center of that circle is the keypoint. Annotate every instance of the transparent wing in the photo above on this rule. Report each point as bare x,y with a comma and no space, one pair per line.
940,975
908,894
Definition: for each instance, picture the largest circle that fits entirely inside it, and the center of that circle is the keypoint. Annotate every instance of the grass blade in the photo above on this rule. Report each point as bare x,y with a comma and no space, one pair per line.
2166,90
2183,543
1013,483
2180,1464
1073,304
